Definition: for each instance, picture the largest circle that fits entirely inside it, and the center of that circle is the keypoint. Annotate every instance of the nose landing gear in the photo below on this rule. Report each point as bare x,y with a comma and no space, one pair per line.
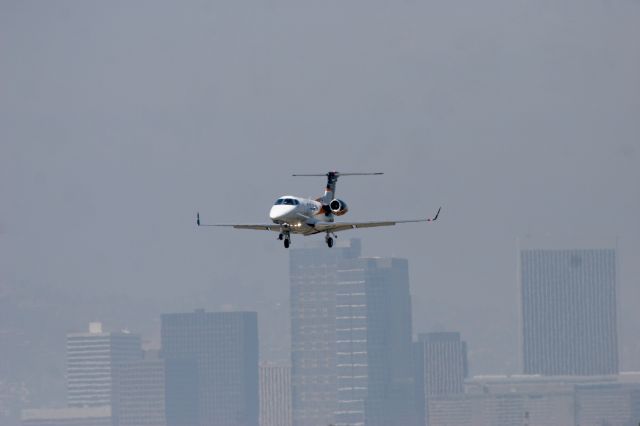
286,237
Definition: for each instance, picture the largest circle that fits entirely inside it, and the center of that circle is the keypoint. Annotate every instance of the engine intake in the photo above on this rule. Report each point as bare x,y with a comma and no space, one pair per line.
338,207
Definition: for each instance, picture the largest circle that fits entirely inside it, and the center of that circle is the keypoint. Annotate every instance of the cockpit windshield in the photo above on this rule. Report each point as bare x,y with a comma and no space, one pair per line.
287,201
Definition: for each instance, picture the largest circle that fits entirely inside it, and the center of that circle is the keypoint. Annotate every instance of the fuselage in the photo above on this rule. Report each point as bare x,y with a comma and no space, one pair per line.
299,214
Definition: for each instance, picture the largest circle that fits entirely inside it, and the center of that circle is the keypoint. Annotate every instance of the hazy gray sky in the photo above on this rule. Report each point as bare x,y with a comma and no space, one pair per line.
120,119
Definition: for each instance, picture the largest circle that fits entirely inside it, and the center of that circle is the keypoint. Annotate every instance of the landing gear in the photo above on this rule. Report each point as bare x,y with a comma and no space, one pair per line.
284,235
329,240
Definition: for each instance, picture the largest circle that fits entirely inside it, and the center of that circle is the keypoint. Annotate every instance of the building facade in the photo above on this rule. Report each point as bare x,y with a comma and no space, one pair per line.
313,282
373,343
552,408
275,395
442,357
88,416
351,338
141,393
440,363
93,362
569,311
612,404
211,368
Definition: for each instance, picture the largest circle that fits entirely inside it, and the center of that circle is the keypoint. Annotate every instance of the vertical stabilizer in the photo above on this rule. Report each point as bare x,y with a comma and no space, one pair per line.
332,179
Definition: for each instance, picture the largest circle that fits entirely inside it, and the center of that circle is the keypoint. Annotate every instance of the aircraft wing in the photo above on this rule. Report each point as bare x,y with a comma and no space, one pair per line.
265,227
343,226
271,227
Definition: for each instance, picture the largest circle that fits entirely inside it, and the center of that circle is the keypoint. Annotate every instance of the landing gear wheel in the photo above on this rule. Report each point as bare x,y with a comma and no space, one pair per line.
286,243
330,242
280,237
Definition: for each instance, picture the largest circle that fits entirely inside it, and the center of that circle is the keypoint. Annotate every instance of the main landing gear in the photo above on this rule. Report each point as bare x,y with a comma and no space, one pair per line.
329,240
287,239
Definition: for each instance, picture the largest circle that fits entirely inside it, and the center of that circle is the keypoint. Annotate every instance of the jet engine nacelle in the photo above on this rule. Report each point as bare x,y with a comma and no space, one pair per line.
338,207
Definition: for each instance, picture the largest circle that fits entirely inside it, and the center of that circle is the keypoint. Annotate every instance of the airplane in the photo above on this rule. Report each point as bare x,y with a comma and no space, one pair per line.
296,215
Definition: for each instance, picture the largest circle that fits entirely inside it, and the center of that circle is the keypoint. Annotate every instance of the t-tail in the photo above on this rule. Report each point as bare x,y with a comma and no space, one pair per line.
332,180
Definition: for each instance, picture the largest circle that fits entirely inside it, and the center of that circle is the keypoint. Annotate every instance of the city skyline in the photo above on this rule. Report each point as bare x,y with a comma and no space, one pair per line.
370,299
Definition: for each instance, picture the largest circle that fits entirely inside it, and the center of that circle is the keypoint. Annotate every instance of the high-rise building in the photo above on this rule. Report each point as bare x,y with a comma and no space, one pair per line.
211,368
275,395
141,392
93,362
313,280
373,343
440,361
569,311
351,338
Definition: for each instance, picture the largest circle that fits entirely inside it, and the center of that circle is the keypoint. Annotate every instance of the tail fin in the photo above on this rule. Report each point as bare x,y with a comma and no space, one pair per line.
332,180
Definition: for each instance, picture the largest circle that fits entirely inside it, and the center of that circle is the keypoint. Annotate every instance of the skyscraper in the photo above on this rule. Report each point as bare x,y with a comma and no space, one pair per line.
569,311
212,368
440,361
93,363
313,280
275,395
351,338
373,343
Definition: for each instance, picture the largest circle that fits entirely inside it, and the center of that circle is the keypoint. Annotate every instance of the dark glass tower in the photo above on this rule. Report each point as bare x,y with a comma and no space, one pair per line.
211,368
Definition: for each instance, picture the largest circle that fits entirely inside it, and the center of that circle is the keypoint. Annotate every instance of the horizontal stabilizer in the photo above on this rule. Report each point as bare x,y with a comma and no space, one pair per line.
337,174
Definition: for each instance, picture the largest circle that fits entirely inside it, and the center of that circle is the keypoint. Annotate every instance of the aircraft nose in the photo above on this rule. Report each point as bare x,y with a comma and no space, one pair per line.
280,212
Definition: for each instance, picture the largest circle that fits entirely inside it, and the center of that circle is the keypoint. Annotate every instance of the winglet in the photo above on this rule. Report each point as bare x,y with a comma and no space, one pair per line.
198,218
435,217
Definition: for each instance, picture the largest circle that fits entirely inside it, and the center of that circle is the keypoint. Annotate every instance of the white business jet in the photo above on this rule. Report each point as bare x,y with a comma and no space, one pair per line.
296,215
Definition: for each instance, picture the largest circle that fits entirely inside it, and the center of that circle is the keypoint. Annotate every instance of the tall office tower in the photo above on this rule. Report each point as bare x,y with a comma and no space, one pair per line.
373,343
93,362
211,368
440,361
275,395
569,311
313,278
141,392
